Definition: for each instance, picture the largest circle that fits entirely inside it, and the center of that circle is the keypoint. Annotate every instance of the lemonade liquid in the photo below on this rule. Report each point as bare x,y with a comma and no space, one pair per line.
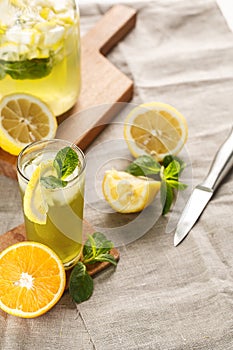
62,231
40,51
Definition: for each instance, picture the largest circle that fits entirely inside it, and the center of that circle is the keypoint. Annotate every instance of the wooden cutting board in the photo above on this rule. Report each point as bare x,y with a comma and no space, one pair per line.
102,82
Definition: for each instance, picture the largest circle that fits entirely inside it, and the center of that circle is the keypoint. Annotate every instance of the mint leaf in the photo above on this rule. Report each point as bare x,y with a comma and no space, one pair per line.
176,184
166,197
27,69
97,243
172,170
97,248
105,258
170,181
168,159
2,73
81,284
65,162
143,166
89,249
52,182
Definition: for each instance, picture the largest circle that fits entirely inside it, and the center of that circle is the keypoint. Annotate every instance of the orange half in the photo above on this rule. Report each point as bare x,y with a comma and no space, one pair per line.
32,279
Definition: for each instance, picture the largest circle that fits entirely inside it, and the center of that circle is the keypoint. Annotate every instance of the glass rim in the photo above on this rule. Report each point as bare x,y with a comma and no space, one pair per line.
49,141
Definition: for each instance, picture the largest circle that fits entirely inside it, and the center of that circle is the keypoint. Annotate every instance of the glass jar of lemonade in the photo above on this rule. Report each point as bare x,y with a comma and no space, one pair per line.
40,51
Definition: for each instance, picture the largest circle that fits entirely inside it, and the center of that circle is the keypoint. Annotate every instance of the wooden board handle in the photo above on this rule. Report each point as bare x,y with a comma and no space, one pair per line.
114,25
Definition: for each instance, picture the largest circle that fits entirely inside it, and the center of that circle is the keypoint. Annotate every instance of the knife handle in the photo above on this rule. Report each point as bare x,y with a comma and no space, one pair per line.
221,164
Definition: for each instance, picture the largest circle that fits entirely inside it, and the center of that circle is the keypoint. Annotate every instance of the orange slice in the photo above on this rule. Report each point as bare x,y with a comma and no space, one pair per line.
155,128
32,279
24,119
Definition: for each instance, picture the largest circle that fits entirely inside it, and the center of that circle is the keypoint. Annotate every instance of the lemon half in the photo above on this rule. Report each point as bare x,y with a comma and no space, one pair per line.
155,128
23,119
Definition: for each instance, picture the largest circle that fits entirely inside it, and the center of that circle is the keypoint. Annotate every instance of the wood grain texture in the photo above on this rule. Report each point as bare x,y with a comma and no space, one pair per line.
18,234
7,164
102,83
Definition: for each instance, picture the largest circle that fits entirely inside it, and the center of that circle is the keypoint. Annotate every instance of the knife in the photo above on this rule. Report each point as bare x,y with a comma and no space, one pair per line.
203,192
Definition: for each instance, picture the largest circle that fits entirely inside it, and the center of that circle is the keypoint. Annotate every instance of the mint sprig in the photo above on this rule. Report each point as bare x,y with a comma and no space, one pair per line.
167,196
35,68
65,163
144,166
168,172
52,182
96,249
170,181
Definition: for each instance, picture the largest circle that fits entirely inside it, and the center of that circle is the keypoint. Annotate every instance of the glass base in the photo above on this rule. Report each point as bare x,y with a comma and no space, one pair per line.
69,264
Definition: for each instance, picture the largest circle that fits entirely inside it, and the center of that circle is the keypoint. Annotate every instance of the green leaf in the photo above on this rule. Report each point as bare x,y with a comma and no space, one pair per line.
168,159
104,258
176,184
92,247
81,284
169,176
27,69
52,182
143,166
97,243
2,73
97,248
166,196
102,243
172,170
65,162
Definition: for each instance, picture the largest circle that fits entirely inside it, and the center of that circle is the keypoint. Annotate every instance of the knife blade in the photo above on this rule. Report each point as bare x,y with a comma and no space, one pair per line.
202,193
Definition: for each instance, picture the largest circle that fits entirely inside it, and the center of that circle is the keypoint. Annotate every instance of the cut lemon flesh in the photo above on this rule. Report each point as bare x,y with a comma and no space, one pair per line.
127,193
24,119
32,279
34,201
155,128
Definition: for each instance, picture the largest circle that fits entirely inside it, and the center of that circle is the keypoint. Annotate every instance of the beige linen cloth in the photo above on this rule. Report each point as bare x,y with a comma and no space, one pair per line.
159,297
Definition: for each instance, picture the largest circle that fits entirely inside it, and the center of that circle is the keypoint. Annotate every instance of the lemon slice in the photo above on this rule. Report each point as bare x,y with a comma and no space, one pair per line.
23,119
127,193
155,128
36,198
34,201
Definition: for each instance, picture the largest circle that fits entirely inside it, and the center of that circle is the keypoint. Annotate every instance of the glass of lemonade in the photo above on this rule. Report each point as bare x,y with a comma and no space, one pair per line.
53,196
40,51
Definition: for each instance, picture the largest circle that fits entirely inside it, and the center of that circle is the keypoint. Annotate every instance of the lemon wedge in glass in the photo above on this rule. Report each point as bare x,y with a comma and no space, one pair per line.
34,202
